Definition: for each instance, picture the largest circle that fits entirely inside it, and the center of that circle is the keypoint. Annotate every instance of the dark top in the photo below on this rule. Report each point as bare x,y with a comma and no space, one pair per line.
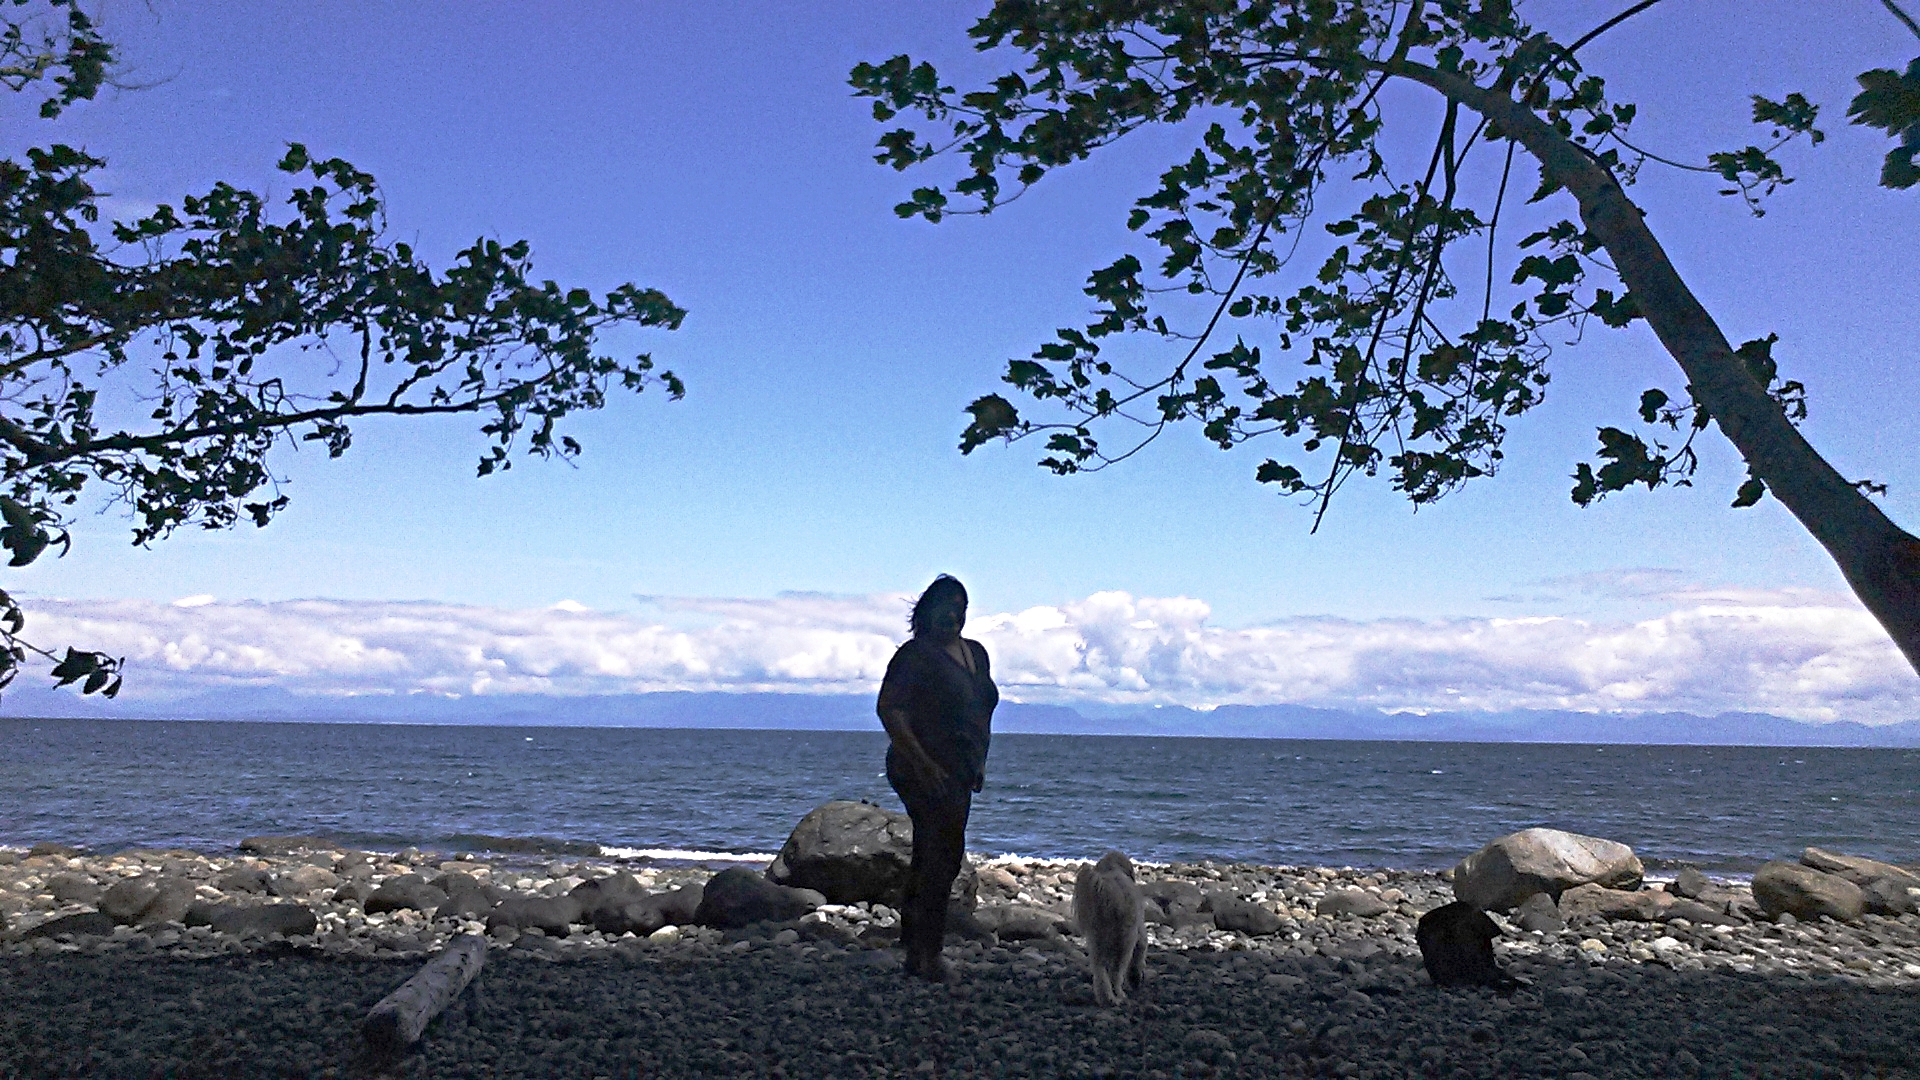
949,709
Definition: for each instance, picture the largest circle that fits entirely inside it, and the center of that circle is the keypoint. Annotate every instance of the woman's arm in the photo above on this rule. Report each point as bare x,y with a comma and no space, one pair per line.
900,730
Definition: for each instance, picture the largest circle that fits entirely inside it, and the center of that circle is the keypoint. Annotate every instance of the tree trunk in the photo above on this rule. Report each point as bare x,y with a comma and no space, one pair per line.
1880,560
398,1020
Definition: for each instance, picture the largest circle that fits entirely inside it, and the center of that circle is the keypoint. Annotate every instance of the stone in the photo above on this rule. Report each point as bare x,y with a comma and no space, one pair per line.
145,900
70,888
1701,914
1021,922
999,880
1539,913
1861,872
255,920
404,891
1174,903
355,891
243,879
467,896
127,898
1456,945
302,880
1887,896
1500,876
1690,883
1883,886
48,847
1343,902
285,845
621,887
737,896
1245,916
551,915
1806,893
85,924
170,902
848,852
1589,901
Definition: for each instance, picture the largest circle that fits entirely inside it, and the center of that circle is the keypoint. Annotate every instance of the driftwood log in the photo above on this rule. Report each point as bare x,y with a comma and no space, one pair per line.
396,1023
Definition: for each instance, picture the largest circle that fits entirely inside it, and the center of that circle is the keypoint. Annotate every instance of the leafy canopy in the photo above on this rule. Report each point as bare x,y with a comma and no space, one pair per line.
1399,351
160,360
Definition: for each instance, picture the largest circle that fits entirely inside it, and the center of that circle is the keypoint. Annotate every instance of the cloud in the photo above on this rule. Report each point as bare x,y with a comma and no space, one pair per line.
1790,653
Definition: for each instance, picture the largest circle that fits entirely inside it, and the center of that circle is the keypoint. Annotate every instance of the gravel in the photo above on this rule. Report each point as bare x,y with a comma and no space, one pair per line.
796,1011
1326,995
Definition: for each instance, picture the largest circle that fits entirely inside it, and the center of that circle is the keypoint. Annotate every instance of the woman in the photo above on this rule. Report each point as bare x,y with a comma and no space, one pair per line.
937,704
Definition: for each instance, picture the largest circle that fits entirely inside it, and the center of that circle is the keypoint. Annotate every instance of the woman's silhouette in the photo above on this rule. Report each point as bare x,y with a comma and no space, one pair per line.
937,704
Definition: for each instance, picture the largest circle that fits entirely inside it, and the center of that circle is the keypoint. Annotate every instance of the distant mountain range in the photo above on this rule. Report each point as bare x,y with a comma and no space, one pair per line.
855,712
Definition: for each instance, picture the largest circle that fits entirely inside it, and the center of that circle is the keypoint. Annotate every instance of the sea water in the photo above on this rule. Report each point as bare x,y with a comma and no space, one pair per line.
708,793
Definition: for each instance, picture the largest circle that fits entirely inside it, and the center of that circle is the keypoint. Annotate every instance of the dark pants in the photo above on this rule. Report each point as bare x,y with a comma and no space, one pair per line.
939,848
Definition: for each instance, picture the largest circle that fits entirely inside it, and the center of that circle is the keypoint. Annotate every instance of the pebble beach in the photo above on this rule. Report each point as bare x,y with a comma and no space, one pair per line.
1326,982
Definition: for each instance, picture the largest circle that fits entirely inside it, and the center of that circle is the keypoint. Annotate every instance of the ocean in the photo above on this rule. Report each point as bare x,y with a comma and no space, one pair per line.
110,784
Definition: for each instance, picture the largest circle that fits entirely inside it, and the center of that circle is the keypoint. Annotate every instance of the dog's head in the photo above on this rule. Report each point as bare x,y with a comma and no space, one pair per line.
1115,861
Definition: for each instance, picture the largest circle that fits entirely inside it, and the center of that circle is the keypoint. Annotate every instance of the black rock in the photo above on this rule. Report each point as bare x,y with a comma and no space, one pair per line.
1456,942
962,924
285,845
169,904
1886,896
74,889
736,897
680,906
620,888
85,924
355,891
1174,903
243,879
264,920
127,898
641,917
525,845
551,915
1539,912
467,896
848,852
1233,913
404,891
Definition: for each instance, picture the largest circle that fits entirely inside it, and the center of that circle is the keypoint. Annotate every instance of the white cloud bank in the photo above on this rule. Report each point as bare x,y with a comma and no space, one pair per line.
1790,653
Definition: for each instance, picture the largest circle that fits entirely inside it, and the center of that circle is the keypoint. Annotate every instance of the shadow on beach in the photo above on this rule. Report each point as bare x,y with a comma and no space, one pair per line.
769,1010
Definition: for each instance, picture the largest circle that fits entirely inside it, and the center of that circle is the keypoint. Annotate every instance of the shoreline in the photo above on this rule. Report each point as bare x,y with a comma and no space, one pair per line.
1321,993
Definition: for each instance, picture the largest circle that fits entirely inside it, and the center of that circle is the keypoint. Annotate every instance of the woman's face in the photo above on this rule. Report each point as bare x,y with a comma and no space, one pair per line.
947,616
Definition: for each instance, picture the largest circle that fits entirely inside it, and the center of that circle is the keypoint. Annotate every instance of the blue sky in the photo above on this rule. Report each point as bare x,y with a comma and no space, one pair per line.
714,151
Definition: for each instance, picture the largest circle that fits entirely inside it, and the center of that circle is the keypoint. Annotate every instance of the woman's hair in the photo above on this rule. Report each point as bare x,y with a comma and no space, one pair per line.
945,587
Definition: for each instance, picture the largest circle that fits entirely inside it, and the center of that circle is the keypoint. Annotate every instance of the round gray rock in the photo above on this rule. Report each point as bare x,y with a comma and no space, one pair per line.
1500,876
1806,893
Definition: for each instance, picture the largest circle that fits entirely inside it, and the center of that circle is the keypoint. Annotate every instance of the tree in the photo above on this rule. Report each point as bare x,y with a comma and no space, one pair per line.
262,328
1397,352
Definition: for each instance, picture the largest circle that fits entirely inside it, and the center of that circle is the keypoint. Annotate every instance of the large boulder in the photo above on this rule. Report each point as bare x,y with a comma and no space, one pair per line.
1806,893
623,906
467,896
146,900
1588,901
738,897
243,879
551,915
1883,886
847,852
1456,945
855,851
1500,876
302,880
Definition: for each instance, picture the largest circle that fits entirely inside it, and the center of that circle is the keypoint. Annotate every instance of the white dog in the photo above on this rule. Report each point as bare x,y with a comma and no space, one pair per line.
1112,916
